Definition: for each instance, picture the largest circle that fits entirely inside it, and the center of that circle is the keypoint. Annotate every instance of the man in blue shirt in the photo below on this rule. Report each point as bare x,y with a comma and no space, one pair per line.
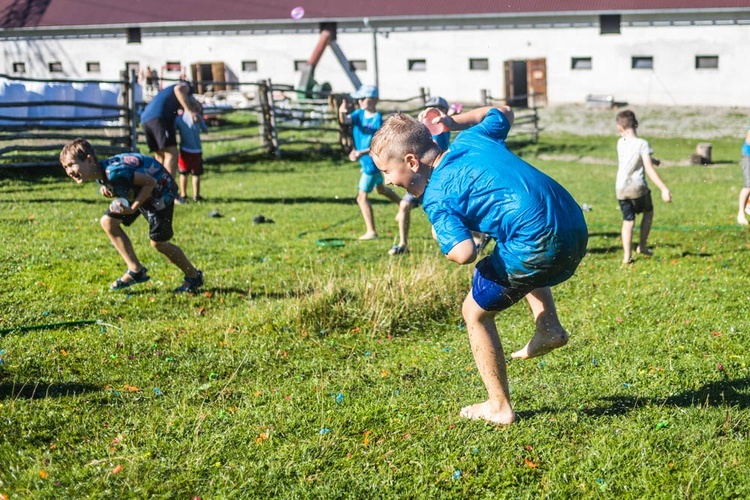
478,184
157,121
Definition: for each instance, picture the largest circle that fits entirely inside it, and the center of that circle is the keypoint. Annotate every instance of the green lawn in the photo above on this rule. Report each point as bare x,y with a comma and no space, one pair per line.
307,370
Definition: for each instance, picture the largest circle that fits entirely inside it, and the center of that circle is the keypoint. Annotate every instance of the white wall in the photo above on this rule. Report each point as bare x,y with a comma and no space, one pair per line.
673,81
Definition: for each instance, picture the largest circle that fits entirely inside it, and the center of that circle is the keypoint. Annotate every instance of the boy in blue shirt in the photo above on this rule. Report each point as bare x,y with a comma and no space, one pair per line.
365,121
190,161
478,184
149,190
745,191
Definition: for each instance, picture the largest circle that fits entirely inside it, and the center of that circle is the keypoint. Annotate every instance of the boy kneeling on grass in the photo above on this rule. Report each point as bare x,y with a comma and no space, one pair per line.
150,191
479,185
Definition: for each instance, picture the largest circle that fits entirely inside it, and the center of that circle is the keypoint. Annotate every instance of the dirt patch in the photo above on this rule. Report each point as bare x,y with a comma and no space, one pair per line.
701,123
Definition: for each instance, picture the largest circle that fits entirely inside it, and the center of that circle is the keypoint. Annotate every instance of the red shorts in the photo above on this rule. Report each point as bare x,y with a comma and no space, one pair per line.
190,163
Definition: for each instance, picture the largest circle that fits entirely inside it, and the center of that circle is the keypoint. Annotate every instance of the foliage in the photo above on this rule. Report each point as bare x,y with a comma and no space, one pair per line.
310,370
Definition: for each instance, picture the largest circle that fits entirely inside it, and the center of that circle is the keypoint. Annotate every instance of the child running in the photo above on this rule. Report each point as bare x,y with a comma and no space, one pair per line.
149,190
480,185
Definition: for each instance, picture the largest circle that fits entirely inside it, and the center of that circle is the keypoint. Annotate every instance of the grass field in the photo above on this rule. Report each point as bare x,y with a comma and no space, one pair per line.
307,370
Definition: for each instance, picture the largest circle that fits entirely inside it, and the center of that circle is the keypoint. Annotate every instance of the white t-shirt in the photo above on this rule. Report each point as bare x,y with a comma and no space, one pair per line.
631,176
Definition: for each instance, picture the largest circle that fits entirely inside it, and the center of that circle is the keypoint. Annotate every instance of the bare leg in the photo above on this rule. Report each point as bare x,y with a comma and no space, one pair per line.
404,222
642,247
366,207
741,216
490,359
176,256
197,187
122,244
183,185
627,240
549,334
388,193
168,158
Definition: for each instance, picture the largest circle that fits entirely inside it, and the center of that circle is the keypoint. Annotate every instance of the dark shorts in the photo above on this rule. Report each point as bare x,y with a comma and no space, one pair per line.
160,134
638,206
159,223
489,291
190,163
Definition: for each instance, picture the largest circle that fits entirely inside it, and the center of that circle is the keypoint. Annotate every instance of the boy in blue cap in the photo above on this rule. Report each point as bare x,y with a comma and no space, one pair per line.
365,121
480,185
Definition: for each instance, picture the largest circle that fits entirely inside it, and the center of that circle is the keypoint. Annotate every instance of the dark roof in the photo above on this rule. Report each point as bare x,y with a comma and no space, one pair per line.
52,13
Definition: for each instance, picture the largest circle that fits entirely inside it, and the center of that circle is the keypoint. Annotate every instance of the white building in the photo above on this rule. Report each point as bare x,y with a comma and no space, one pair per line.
671,52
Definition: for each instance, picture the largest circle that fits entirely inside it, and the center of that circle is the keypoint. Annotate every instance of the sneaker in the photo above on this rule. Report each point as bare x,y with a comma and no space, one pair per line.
198,199
190,284
180,200
136,277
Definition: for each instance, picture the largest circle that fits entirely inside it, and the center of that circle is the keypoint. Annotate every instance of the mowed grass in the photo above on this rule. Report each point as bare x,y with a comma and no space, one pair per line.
307,370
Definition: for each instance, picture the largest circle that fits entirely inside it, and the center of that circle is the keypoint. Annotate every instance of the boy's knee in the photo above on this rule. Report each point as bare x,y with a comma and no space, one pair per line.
160,246
471,310
108,223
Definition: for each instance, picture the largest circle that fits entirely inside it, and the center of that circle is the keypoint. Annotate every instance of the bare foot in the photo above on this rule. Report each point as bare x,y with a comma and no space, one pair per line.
644,251
542,343
741,219
368,236
489,412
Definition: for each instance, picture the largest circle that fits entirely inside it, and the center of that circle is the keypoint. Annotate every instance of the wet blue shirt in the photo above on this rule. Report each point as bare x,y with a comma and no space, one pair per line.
746,148
480,185
119,171
363,128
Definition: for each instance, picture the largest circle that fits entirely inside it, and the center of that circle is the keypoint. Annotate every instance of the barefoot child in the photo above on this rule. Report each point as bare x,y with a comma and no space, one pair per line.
633,194
479,185
365,121
150,191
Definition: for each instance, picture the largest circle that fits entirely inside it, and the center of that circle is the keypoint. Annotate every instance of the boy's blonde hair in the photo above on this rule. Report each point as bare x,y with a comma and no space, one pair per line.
77,149
626,119
401,134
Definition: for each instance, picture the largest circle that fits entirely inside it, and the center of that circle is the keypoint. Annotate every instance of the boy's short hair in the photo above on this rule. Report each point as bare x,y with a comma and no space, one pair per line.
77,149
399,135
626,119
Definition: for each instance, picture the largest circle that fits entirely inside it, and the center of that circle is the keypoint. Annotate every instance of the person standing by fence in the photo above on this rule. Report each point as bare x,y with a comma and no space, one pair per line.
157,121
745,191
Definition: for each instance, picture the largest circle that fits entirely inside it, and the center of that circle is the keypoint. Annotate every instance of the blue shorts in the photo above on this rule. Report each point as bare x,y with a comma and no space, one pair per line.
638,206
367,182
488,291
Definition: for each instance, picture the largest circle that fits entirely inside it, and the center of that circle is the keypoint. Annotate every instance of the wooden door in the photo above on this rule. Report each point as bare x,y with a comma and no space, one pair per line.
536,79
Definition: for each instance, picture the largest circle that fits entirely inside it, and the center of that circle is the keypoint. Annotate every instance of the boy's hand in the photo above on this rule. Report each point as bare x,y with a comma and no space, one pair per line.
666,195
354,155
106,192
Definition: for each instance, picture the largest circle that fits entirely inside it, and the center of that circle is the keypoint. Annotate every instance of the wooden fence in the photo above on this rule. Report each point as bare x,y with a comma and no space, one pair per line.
261,118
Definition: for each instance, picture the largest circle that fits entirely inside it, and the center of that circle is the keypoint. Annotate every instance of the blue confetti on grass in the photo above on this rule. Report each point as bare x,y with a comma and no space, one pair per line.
339,397
157,391
324,430
456,474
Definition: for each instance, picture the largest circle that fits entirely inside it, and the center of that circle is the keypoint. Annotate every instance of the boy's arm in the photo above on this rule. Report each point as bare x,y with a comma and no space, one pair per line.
182,92
146,183
464,252
666,194
470,118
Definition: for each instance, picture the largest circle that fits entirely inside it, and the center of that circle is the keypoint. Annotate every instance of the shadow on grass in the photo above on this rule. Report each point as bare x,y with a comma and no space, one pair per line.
41,390
720,393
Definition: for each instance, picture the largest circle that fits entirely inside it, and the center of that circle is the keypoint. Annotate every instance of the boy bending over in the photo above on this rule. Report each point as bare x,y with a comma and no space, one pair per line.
479,185
150,191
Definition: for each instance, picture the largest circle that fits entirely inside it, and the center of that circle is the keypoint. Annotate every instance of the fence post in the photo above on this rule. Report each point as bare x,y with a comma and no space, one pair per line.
270,139
483,97
132,114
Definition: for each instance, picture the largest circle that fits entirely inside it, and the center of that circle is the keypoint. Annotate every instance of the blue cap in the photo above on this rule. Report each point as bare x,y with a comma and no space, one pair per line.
366,91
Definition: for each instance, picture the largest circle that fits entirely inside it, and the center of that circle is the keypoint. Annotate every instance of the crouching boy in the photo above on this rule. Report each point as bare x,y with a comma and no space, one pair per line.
149,190
478,184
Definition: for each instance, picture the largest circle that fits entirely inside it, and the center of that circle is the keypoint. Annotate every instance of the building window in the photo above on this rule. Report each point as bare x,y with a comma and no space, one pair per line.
55,67
706,62
642,62
609,24
417,64
19,67
300,65
249,66
479,64
358,65
173,66
580,63
134,35
93,67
